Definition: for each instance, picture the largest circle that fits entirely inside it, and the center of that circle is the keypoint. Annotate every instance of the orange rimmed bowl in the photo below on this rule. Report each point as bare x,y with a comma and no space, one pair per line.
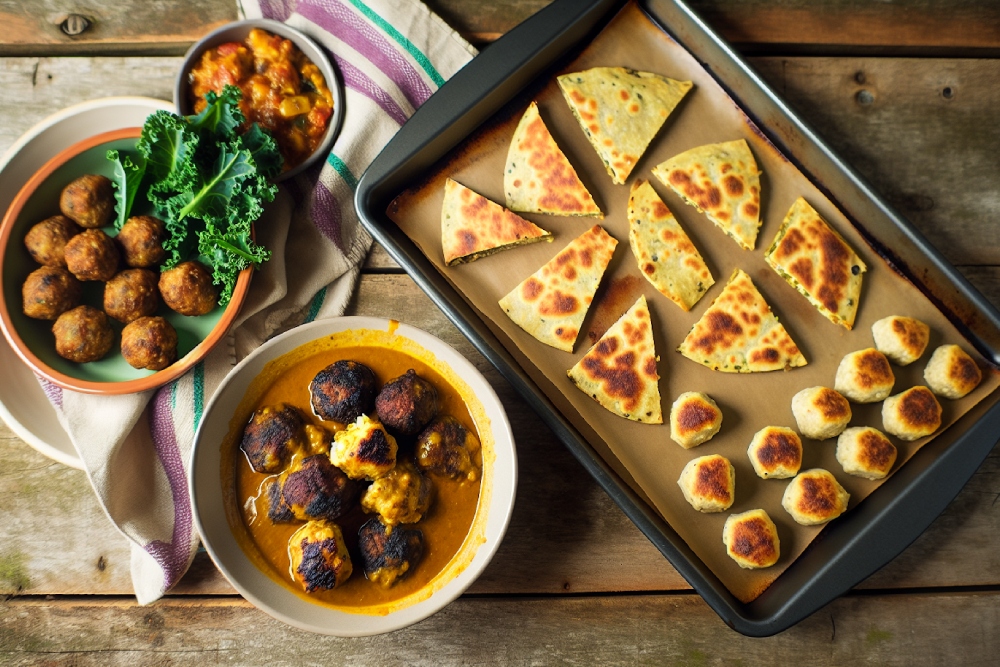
33,340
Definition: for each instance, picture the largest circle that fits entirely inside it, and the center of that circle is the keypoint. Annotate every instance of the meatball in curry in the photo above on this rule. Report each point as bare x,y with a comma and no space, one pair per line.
447,448
83,334
187,289
50,291
131,294
46,241
89,201
407,403
141,239
274,433
401,496
149,343
319,556
389,553
315,489
92,255
343,391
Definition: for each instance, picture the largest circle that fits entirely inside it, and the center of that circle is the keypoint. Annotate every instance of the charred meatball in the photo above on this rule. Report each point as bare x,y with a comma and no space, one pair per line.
92,255
389,553
150,343
320,560
316,489
407,403
273,434
46,241
83,334
89,201
141,239
402,496
131,294
364,450
187,289
447,448
50,291
343,391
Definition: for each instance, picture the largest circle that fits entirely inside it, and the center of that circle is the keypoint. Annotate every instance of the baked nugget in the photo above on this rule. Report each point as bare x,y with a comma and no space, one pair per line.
864,376
776,451
319,556
820,412
902,339
815,497
751,539
866,452
951,372
709,483
364,450
694,419
911,414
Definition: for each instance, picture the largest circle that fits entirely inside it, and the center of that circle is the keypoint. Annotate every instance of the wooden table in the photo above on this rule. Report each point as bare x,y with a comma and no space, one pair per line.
906,91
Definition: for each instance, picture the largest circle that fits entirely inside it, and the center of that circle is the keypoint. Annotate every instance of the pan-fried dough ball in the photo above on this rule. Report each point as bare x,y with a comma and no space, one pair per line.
775,451
187,289
864,376
951,372
866,452
911,414
407,403
50,291
131,294
401,496
751,539
272,435
343,391
89,201
447,448
83,334
709,483
149,343
319,556
389,553
46,241
364,450
141,239
820,412
92,255
316,489
814,497
902,339
694,418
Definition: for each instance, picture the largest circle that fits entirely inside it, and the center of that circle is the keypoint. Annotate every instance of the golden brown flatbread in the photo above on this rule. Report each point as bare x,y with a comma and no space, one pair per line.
538,178
739,333
620,111
472,226
814,259
551,303
619,372
723,181
666,256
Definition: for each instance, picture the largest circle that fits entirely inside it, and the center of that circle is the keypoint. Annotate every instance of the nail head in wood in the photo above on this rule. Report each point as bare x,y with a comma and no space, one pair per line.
75,24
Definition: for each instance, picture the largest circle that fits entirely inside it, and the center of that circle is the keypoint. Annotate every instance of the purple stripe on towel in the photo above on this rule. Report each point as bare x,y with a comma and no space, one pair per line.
356,80
341,22
52,391
279,10
172,556
326,214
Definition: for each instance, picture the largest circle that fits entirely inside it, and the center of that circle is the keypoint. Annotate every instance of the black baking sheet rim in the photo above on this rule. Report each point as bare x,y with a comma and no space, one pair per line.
858,544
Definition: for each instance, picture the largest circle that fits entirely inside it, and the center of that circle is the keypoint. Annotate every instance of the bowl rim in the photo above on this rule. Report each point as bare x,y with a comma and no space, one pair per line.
306,44
502,496
157,379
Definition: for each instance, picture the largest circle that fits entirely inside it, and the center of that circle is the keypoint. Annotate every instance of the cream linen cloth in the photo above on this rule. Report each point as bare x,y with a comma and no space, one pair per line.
391,55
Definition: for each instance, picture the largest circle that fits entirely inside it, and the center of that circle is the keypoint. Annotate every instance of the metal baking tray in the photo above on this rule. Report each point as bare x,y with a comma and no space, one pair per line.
860,542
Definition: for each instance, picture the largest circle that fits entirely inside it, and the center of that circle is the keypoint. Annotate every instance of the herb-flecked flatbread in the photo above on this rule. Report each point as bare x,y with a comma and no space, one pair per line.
739,333
552,302
666,256
538,178
620,111
813,258
619,372
472,226
723,181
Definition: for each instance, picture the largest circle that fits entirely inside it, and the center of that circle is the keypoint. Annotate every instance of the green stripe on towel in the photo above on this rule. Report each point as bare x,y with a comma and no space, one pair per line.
417,54
341,168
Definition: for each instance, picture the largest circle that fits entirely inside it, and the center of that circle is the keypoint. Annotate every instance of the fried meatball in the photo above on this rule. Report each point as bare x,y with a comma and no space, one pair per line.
141,239
187,289
92,255
402,496
364,450
447,448
150,343
89,201
316,489
50,291
343,391
407,403
46,241
319,557
131,294
83,334
389,553
273,434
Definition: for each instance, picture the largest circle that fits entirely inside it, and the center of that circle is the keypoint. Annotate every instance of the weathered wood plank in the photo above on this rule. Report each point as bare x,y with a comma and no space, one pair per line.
911,631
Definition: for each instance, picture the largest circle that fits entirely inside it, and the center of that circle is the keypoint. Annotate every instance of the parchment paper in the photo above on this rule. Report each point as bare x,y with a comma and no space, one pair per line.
644,454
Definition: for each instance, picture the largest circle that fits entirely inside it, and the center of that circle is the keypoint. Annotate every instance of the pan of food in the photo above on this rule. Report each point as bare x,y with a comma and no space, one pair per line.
765,366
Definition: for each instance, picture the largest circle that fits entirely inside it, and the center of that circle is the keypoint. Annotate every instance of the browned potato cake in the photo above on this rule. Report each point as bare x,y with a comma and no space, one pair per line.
751,539
814,497
912,414
709,483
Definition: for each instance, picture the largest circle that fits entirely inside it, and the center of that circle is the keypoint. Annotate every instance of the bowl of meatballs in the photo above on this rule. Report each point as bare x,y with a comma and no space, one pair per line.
88,305
353,476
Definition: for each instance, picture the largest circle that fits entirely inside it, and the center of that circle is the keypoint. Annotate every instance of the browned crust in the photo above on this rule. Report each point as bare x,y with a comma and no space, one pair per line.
695,415
831,404
875,451
712,480
779,448
919,409
819,496
753,540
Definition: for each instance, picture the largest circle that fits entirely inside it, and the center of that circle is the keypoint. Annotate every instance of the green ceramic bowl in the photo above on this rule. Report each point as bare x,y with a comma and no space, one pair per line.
33,339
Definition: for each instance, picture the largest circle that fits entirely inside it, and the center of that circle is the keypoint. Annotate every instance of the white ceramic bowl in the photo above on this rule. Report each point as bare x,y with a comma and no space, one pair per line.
496,502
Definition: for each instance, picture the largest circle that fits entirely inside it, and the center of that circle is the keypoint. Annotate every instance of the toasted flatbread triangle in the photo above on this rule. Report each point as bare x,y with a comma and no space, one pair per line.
552,302
472,226
619,372
813,258
723,181
739,333
538,178
620,111
663,250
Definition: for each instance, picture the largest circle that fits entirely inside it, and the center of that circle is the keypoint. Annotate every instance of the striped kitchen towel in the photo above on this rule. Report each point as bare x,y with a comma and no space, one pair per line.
392,55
